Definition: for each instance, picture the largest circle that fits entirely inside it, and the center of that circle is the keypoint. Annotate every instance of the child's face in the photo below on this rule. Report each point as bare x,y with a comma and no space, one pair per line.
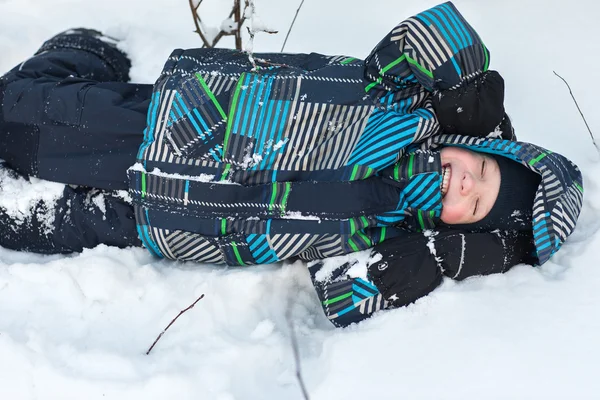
471,182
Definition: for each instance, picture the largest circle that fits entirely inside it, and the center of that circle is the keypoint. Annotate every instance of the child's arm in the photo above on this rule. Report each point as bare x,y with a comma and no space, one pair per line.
436,48
440,51
402,270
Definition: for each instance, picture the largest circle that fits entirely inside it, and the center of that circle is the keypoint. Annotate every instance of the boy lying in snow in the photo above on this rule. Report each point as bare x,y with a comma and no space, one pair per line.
408,152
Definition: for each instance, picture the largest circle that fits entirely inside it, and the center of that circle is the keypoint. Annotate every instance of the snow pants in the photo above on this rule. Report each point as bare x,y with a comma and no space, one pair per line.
68,115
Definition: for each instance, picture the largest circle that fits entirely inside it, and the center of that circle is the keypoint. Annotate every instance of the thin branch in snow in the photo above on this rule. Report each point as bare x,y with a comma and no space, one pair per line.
223,33
174,319
194,9
296,353
237,9
232,26
579,109
291,25
208,38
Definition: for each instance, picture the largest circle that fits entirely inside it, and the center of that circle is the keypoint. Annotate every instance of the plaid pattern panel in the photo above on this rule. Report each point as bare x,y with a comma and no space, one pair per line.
345,300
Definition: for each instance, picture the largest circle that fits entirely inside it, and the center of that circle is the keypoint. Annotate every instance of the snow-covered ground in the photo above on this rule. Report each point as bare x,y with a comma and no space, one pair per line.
78,327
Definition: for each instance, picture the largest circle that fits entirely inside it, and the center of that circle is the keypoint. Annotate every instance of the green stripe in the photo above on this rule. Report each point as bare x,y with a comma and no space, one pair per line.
273,196
411,162
237,253
487,58
354,172
143,185
348,60
352,227
370,85
365,238
365,221
382,235
538,158
223,226
288,187
352,244
578,187
396,62
225,171
336,299
420,214
393,64
384,70
397,172
211,96
236,94
420,67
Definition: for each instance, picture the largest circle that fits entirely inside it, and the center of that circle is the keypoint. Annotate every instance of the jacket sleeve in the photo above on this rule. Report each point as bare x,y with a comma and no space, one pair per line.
436,48
397,272
441,51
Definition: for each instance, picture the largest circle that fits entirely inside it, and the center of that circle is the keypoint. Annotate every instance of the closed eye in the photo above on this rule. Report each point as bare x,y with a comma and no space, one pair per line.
483,167
476,207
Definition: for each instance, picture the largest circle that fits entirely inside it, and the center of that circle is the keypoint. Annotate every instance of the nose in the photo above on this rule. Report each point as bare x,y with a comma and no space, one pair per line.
467,184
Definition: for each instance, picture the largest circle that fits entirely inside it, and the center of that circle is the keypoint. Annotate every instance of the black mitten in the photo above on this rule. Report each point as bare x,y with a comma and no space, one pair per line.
404,269
463,254
474,108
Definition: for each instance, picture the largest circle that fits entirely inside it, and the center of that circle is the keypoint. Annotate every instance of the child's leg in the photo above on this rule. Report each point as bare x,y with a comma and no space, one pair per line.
82,53
69,116
50,218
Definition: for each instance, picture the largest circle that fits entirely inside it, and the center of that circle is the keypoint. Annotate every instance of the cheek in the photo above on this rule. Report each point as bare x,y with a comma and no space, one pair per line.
455,214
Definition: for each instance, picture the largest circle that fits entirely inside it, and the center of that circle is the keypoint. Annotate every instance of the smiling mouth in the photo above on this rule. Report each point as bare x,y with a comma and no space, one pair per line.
446,174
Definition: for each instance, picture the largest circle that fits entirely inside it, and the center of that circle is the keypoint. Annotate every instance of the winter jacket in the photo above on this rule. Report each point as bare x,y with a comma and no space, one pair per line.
297,155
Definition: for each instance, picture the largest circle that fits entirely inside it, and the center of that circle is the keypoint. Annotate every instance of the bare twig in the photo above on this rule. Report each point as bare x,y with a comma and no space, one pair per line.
296,353
173,321
238,19
579,109
223,33
291,25
198,30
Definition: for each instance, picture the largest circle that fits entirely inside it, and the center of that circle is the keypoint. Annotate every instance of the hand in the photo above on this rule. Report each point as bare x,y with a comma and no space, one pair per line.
474,108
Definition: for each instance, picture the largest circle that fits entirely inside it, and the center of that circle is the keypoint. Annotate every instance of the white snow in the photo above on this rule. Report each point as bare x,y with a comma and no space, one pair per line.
358,265
77,327
19,197
299,215
228,25
197,178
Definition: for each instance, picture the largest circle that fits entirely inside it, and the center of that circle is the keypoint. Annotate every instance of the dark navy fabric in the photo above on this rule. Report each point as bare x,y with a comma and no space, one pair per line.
80,218
69,116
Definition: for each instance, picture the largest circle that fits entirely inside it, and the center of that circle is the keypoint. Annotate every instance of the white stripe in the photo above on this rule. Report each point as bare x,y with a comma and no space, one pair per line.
462,255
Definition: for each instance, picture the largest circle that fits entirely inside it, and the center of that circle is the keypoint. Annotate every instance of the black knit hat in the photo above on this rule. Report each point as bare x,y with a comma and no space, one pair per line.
514,205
